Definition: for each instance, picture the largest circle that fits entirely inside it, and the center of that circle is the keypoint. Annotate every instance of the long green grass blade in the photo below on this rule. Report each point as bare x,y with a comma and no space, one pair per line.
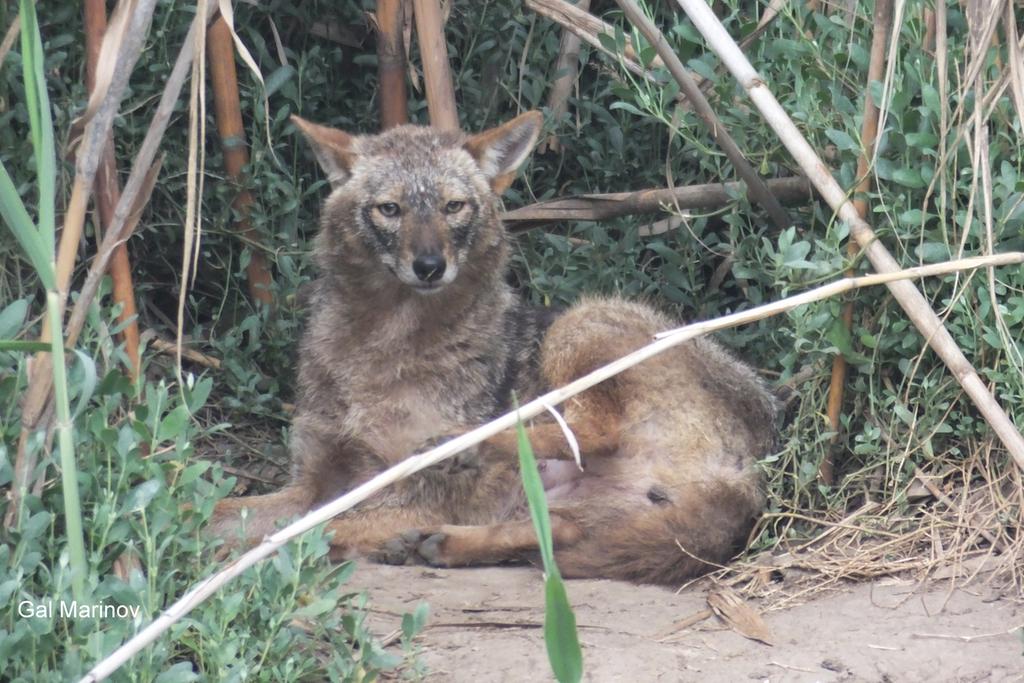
68,466
38,103
536,500
20,223
560,637
24,346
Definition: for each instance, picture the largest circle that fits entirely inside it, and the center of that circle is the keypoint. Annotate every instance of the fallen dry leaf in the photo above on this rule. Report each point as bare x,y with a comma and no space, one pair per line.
740,616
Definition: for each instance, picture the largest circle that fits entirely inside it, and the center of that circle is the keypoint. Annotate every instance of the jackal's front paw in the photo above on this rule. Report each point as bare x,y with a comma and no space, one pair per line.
400,549
413,547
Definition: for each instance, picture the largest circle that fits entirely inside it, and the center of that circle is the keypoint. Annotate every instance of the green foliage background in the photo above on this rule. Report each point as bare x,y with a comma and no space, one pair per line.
903,409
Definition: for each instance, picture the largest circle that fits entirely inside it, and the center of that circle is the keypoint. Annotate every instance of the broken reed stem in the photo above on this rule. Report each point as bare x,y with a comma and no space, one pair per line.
906,294
108,192
415,463
138,180
566,72
390,21
437,74
868,134
102,108
756,189
224,83
600,207
587,28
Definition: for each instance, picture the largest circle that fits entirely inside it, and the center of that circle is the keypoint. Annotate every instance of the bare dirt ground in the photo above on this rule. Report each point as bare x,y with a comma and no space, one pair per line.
485,625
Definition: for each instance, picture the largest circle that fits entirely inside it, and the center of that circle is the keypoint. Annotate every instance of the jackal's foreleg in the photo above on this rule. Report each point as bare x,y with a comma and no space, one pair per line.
459,546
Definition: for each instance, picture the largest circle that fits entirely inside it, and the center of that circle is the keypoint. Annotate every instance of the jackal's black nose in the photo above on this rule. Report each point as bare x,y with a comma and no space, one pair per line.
429,267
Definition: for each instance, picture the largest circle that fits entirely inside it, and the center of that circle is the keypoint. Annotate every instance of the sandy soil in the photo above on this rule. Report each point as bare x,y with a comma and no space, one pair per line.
485,625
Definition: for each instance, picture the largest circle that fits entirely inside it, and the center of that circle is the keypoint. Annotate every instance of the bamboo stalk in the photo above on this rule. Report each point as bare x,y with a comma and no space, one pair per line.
390,22
908,296
102,108
415,463
756,189
436,72
224,82
566,72
599,207
868,135
108,192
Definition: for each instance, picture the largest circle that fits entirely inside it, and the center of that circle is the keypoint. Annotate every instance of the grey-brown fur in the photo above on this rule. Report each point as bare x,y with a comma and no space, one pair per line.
415,335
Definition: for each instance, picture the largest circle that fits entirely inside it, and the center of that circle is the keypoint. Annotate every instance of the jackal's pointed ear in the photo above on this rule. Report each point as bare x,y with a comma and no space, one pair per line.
500,151
332,147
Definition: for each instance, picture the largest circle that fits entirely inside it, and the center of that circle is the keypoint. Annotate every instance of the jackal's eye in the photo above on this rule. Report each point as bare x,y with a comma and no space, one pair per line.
389,209
453,206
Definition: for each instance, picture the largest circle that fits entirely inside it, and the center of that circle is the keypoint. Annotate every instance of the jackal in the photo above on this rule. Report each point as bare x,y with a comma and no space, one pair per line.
415,334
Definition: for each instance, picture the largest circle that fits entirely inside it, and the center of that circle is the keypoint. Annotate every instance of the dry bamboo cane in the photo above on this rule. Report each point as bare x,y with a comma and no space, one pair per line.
102,108
756,189
224,81
437,74
868,134
566,72
391,65
108,192
599,207
905,293
415,463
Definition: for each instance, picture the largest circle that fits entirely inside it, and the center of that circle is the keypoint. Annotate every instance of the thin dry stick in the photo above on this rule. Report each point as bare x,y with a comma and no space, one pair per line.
566,71
224,82
108,192
171,348
436,73
908,296
12,35
390,21
756,188
102,107
869,131
415,463
599,207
